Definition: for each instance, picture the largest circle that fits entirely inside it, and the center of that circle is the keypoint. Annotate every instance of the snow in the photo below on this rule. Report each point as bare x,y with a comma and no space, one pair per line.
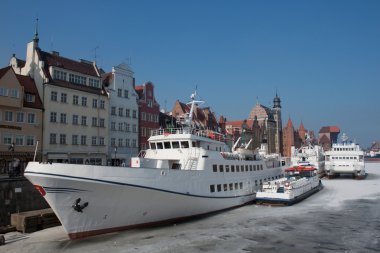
344,217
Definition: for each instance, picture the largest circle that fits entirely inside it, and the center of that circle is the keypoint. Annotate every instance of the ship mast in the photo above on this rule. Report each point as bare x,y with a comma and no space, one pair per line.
189,117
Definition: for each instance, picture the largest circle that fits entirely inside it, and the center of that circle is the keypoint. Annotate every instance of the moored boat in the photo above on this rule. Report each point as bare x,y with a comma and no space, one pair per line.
299,183
186,172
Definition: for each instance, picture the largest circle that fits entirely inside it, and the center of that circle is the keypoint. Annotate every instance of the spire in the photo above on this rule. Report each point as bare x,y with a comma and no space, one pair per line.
36,39
276,101
302,128
290,123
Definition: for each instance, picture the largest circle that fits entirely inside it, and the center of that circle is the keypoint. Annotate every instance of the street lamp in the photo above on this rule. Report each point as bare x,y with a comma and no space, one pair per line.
12,149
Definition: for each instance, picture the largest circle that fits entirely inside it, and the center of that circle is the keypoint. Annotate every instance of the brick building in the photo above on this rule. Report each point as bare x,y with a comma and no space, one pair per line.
295,137
149,113
327,136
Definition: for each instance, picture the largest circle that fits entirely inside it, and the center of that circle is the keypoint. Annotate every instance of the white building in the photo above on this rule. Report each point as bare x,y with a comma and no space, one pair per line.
123,115
76,106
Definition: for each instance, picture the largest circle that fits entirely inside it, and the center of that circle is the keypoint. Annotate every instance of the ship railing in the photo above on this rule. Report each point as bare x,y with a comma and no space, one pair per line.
204,133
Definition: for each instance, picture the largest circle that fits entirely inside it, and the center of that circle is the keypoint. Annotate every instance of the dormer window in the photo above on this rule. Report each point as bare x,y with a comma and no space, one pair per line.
93,82
30,98
77,79
59,75
14,93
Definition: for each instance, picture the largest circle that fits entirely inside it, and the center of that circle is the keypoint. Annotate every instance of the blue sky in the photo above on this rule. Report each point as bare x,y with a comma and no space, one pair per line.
323,57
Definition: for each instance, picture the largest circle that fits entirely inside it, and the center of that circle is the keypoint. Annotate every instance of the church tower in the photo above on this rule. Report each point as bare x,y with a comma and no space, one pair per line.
278,121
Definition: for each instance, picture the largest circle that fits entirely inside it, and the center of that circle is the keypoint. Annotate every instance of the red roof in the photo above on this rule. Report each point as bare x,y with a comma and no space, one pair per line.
329,129
55,60
3,71
290,123
30,88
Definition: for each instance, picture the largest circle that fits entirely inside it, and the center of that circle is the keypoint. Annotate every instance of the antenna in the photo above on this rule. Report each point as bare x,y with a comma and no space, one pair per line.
94,49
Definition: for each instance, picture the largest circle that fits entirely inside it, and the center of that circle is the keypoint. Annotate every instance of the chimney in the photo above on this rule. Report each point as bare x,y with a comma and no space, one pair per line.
55,53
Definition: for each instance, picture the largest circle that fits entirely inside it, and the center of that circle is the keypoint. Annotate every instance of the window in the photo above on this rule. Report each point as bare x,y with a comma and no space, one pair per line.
62,139
159,145
127,113
84,101
53,138
167,145
215,168
3,91
212,188
59,75
120,128
94,121
231,187
30,98
63,118
232,168
241,185
53,117
101,141
19,140
134,128
221,168
74,139
93,140
175,144
134,143
184,144
120,142
219,187
113,110
119,91
8,116
94,103
143,116
126,95
113,142
113,126
150,103
236,186
30,140
134,114
102,104
14,93
93,82
101,122
84,121
83,140
31,118
7,139
75,100
63,98
77,79
75,119
120,112
53,96
127,143
20,117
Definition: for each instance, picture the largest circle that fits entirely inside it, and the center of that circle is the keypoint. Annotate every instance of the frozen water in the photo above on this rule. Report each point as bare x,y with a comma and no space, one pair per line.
343,217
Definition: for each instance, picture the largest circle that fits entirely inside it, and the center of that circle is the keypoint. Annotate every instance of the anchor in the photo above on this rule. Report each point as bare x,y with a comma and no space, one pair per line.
78,207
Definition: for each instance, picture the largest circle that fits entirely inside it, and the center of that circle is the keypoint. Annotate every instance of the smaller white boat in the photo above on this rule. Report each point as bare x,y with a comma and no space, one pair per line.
299,183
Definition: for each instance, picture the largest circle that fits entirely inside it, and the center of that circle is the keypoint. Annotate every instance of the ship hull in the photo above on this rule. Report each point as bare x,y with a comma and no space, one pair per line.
130,198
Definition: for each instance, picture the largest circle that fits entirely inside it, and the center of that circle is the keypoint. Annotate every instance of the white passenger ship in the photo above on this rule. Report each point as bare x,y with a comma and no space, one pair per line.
345,158
309,154
299,183
185,173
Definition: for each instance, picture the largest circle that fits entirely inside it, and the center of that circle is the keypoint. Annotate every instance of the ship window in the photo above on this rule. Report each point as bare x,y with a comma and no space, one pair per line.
241,185
219,187
167,145
175,144
261,166
184,144
159,145
221,168
236,186
232,168
256,182
254,167
225,187
231,187
194,144
246,167
152,145
261,182
250,167
212,188
215,168
237,168
242,168
227,168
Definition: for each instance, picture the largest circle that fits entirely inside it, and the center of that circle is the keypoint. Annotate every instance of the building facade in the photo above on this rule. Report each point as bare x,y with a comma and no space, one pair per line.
270,122
123,115
20,121
327,136
76,106
149,113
